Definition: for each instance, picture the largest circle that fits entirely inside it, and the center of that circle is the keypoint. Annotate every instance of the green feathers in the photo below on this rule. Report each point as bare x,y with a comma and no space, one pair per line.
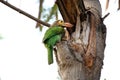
56,30
51,37
50,53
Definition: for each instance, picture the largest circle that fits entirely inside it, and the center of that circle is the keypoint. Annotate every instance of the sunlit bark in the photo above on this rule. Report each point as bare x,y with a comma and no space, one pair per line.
81,57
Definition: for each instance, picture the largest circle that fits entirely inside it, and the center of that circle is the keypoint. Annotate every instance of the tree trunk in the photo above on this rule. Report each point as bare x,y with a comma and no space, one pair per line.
81,57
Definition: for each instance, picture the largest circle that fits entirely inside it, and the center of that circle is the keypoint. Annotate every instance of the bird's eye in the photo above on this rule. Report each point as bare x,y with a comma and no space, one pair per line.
60,22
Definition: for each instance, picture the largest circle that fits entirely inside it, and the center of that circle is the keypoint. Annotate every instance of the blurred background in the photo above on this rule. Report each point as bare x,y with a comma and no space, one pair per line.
23,55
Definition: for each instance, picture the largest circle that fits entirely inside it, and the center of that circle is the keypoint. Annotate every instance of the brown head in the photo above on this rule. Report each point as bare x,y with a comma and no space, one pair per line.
61,23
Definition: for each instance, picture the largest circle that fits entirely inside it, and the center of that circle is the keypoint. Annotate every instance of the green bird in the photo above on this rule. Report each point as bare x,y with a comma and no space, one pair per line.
53,35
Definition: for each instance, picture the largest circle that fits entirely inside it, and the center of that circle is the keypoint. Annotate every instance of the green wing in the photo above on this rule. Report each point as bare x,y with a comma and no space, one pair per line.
54,39
52,32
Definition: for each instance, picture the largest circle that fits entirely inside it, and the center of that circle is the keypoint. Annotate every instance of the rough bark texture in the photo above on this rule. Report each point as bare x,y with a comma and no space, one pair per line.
81,57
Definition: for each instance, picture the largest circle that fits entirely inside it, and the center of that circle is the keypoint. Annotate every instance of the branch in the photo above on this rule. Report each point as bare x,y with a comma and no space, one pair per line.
107,4
24,13
105,16
40,13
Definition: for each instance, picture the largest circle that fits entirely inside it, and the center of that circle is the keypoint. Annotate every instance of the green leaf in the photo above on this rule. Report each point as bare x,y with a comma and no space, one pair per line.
52,12
107,4
56,15
40,13
41,28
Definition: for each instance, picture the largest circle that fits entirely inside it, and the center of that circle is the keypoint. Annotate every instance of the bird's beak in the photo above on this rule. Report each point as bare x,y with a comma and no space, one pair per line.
66,24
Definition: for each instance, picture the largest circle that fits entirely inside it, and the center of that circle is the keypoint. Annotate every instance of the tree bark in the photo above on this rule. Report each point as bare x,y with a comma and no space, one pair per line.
81,57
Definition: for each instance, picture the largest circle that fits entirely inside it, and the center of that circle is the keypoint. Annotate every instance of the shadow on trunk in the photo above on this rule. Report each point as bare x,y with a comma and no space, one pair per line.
81,57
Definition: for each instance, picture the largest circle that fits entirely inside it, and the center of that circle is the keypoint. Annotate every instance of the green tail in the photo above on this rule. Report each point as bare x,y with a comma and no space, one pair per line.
50,54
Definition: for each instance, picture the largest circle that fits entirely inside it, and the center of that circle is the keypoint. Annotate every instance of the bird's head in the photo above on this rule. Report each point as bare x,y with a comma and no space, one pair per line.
62,23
